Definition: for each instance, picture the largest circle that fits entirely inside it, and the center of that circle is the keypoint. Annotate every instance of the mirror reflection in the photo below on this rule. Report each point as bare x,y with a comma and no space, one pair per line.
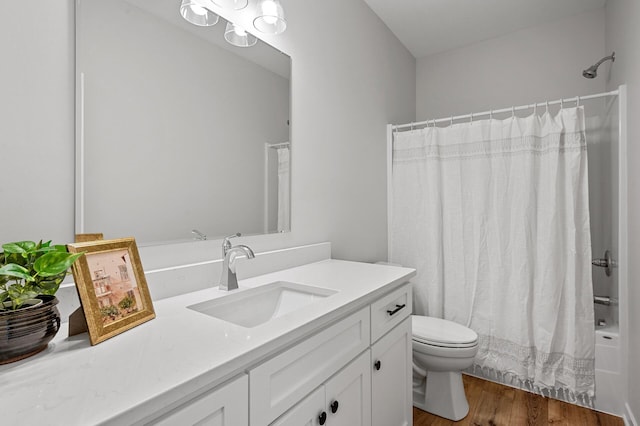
177,128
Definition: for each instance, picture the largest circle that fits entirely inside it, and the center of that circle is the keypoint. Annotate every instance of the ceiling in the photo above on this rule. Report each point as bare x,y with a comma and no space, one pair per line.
426,27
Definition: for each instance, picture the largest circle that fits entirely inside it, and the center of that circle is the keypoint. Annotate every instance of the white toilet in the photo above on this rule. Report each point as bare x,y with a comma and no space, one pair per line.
441,350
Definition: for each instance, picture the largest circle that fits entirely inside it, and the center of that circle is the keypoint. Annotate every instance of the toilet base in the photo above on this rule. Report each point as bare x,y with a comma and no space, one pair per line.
443,395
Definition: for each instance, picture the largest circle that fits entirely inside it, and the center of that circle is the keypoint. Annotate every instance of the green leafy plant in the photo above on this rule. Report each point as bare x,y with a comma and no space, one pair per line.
28,269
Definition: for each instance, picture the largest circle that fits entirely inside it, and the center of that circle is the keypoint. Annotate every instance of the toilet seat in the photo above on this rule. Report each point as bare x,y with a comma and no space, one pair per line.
442,333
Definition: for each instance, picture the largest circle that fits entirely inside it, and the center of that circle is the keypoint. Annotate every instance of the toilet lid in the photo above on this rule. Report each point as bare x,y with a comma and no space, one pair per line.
439,332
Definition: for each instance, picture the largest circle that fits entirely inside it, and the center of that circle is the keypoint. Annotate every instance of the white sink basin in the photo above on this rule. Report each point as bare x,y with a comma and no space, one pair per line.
250,308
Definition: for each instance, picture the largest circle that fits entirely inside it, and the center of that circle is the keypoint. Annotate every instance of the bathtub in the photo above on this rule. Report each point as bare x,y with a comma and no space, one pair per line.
609,397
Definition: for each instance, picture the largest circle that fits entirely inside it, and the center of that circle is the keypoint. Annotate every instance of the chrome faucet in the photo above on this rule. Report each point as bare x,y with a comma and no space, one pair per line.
198,235
226,244
229,281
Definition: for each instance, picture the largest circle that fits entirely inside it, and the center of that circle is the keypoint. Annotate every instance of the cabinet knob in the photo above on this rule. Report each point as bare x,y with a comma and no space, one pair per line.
322,418
377,365
334,407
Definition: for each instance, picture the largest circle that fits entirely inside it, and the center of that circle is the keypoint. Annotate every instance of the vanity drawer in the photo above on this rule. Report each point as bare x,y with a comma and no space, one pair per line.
389,311
281,382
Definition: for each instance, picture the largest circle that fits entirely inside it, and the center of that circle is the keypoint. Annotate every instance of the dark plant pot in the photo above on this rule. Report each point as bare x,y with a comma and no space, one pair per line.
27,331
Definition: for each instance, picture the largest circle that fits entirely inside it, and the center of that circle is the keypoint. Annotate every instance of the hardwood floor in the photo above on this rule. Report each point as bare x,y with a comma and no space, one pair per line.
492,404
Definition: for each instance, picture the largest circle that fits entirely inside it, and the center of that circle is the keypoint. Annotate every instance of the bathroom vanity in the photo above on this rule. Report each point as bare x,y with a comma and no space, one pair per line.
342,357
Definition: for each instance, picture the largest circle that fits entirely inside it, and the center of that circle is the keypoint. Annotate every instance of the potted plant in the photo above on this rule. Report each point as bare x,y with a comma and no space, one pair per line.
30,275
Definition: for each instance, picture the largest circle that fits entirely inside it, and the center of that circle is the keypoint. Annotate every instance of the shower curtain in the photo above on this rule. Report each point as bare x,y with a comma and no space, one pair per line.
494,215
283,189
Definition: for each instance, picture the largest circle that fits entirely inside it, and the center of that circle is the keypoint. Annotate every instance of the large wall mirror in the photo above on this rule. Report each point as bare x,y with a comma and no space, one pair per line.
176,128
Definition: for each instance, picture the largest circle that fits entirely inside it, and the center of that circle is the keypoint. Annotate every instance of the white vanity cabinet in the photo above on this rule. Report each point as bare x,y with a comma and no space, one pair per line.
391,355
373,389
281,382
225,405
344,400
194,368
355,372
391,379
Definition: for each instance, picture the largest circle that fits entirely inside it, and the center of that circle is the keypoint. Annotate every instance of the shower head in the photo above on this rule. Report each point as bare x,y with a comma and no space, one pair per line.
592,71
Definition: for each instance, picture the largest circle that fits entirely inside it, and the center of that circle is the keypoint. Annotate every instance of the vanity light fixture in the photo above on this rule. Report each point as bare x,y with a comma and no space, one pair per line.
196,14
270,17
238,36
231,4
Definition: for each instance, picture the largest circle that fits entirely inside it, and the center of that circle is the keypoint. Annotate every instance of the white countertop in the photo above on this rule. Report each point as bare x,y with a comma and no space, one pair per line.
181,352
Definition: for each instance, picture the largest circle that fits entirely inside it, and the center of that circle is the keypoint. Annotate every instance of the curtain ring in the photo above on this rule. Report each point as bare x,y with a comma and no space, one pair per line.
535,109
513,112
561,103
471,121
577,101
490,114
451,121
547,103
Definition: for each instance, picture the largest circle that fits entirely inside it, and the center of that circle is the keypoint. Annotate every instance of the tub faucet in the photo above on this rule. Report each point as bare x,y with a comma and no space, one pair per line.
229,281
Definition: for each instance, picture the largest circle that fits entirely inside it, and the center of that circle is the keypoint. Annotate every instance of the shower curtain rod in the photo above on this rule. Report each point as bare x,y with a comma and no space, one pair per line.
576,99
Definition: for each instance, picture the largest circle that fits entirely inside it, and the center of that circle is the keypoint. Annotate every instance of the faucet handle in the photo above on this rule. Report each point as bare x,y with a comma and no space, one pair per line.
226,244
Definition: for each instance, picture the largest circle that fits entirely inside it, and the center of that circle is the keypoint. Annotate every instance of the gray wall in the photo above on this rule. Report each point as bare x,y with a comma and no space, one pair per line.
623,36
37,120
536,64
350,76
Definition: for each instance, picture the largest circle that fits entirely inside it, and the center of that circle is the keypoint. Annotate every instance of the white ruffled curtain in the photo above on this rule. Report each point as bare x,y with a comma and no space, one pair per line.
284,191
494,215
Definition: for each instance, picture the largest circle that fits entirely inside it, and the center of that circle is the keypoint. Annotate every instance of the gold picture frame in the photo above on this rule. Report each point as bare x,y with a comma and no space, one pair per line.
111,286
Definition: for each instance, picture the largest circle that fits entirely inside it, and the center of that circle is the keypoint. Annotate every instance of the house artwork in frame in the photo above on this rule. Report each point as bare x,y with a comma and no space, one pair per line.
111,286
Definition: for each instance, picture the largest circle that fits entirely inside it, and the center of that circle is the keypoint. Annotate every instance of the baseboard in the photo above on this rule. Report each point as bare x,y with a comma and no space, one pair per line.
629,418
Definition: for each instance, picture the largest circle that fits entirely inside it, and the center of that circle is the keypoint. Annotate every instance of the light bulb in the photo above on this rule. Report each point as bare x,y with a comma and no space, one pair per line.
270,17
270,10
198,10
193,12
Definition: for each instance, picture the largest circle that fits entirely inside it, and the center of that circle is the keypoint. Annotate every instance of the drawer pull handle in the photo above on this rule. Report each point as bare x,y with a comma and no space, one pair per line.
377,365
398,307
334,407
322,418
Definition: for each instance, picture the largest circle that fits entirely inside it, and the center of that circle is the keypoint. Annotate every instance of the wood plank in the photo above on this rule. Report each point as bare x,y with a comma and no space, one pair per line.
495,405
605,419
557,412
473,390
498,405
422,418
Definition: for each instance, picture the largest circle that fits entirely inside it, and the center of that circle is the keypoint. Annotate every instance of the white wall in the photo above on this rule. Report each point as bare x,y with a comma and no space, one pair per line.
623,36
531,65
36,120
350,76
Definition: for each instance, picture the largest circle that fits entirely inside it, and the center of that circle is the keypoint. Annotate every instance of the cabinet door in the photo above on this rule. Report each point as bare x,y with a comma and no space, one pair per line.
391,378
348,394
226,405
305,413
280,382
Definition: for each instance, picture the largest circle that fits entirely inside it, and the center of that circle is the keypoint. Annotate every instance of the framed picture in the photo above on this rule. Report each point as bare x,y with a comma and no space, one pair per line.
83,238
111,286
